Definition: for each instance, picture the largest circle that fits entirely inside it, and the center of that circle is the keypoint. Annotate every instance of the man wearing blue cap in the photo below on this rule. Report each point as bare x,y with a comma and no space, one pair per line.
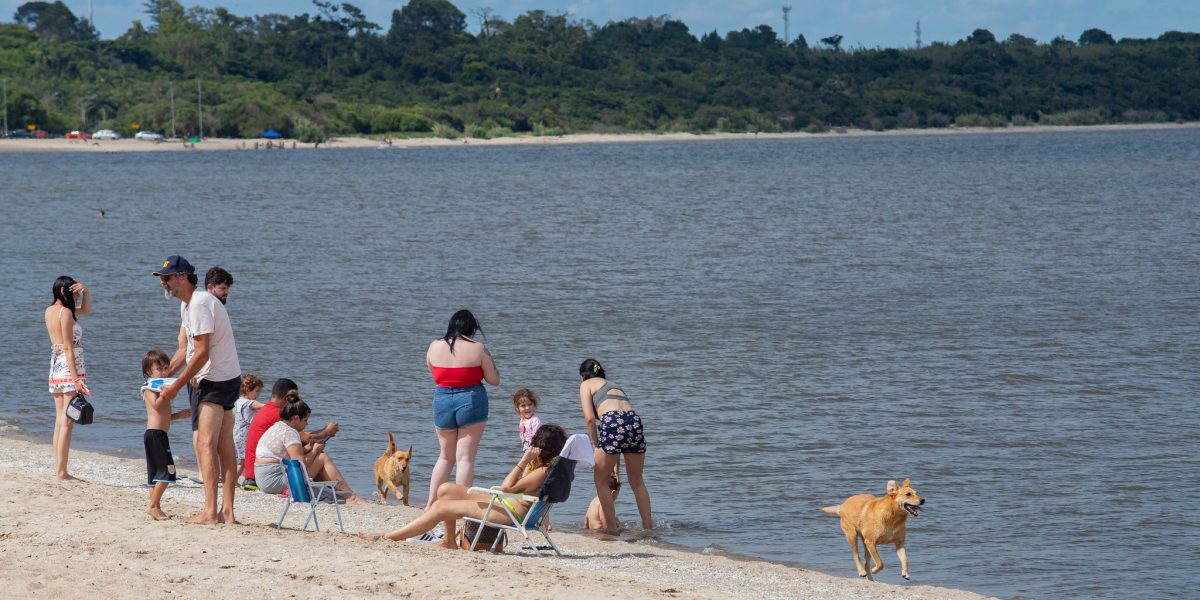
213,376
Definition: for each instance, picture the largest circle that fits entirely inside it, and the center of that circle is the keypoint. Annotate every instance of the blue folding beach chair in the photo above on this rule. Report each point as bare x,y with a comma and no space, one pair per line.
302,489
555,489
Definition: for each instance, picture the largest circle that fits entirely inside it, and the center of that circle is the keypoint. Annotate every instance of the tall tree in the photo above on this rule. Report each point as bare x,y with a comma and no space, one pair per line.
1096,37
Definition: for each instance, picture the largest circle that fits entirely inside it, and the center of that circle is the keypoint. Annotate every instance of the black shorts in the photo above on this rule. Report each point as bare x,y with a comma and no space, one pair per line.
160,467
222,393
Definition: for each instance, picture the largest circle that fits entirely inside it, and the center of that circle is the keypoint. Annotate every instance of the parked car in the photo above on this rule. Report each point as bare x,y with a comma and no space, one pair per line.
78,135
148,135
106,134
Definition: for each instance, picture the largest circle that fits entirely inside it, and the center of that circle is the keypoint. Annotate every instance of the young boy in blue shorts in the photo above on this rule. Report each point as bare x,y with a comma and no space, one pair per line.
160,466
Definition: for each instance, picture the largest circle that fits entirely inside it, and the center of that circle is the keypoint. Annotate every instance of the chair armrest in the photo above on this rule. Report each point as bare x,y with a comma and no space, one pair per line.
495,491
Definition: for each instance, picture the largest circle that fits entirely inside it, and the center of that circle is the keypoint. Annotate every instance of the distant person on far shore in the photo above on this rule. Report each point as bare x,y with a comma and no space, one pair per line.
160,465
67,374
244,409
616,431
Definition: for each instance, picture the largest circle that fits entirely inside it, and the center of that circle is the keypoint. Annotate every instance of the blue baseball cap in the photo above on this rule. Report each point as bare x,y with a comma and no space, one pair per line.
173,265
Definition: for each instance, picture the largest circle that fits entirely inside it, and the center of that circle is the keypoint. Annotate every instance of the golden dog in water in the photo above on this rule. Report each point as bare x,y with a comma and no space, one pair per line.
878,520
391,470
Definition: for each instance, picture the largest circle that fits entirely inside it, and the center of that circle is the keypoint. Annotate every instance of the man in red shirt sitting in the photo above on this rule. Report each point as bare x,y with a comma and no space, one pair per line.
267,416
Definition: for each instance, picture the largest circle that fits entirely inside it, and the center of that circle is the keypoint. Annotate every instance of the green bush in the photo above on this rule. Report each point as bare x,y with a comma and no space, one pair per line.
445,131
541,130
1091,116
1144,116
974,120
937,120
306,131
499,132
477,131
400,120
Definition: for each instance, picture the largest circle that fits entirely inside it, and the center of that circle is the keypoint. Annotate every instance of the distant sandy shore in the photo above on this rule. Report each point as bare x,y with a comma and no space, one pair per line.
220,144
94,540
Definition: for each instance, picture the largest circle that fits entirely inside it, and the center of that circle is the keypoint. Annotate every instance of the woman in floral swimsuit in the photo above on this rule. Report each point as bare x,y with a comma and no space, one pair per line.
67,374
615,430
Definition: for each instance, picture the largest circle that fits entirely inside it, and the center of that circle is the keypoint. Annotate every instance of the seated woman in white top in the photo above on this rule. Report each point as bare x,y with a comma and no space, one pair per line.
282,440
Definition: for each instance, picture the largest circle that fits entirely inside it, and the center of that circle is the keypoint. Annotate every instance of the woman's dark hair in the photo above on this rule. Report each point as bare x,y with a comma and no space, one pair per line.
282,386
293,406
591,368
62,293
550,440
462,324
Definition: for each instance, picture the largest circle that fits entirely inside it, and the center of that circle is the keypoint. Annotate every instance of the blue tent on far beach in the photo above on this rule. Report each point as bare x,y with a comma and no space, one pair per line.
271,134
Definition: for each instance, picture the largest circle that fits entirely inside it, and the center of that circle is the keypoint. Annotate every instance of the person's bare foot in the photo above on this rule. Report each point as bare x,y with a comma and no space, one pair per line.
157,514
227,519
201,519
67,477
370,537
356,500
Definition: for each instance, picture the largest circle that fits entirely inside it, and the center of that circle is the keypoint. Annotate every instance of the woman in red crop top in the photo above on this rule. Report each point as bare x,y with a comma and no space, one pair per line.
459,365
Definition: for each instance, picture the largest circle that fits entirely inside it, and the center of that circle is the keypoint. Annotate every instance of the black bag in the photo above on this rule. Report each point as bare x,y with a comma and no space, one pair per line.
80,410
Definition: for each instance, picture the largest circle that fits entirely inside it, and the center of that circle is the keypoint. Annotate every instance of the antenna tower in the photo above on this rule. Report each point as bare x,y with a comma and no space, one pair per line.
787,38
918,33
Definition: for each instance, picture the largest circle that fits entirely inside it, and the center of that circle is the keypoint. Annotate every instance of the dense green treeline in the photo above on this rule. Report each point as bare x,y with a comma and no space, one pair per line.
335,72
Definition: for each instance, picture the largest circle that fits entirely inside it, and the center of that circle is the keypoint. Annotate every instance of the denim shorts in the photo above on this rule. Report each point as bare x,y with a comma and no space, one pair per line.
458,407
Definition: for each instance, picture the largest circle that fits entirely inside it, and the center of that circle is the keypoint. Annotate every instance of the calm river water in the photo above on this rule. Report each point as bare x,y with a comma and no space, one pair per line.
1011,320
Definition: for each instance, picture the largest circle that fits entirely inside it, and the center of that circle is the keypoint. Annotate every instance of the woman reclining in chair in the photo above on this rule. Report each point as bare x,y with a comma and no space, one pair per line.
454,502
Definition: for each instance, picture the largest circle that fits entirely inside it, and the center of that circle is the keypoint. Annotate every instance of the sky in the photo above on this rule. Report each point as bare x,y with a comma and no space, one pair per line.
866,23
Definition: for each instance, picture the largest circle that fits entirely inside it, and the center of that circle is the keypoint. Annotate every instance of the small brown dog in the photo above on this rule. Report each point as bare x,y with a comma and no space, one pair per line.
877,520
391,470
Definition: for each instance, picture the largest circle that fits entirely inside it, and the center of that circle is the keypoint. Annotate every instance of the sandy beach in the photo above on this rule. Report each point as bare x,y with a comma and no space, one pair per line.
93,539
222,144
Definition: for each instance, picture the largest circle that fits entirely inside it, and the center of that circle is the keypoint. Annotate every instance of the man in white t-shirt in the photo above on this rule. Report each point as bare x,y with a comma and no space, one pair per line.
207,354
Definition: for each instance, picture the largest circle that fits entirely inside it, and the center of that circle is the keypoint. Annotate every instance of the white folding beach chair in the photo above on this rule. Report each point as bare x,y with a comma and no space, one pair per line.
303,490
555,489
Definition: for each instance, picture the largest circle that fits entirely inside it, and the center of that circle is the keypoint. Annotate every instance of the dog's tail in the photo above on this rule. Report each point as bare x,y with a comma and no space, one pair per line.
832,510
391,445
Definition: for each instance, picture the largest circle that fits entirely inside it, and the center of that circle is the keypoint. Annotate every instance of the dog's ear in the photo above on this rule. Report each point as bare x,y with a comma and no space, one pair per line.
892,488
410,449
905,483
